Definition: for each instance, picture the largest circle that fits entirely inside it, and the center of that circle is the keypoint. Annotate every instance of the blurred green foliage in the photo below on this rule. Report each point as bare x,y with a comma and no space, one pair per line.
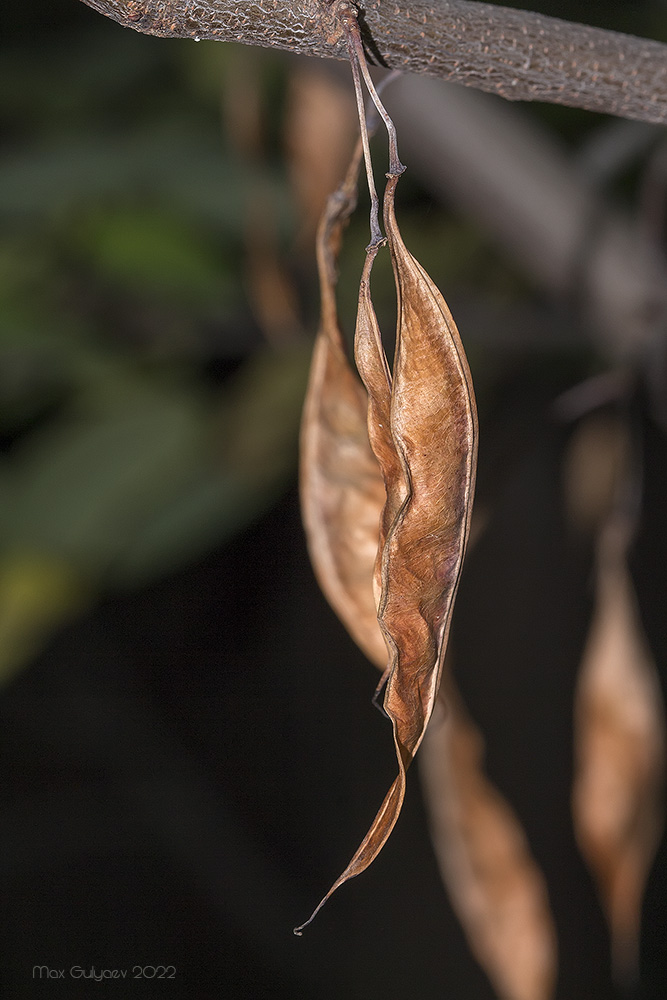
143,419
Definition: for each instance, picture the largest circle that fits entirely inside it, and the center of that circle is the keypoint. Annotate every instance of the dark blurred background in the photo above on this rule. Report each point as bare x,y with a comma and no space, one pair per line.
189,755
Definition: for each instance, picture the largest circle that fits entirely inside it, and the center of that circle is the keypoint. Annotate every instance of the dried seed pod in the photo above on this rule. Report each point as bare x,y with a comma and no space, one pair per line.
373,367
427,456
495,886
341,488
433,423
618,712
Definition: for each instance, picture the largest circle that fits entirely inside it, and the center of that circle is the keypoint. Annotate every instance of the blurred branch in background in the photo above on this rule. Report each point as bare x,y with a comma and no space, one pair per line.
517,182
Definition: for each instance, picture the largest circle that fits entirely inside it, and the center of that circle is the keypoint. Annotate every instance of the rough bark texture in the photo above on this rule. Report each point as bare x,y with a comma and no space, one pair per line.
517,54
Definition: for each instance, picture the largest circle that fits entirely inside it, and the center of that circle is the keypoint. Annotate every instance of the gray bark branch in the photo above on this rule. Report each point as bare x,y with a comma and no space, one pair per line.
518,54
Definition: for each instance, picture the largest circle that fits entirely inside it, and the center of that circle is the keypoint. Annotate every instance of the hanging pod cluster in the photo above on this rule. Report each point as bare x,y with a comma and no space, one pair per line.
388,458
388,474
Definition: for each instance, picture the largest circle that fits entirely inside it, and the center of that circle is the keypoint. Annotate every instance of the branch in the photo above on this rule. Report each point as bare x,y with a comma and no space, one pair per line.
520,55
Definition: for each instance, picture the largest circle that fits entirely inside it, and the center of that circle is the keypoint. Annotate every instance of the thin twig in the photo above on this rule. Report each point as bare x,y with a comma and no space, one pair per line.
358,55
376,233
